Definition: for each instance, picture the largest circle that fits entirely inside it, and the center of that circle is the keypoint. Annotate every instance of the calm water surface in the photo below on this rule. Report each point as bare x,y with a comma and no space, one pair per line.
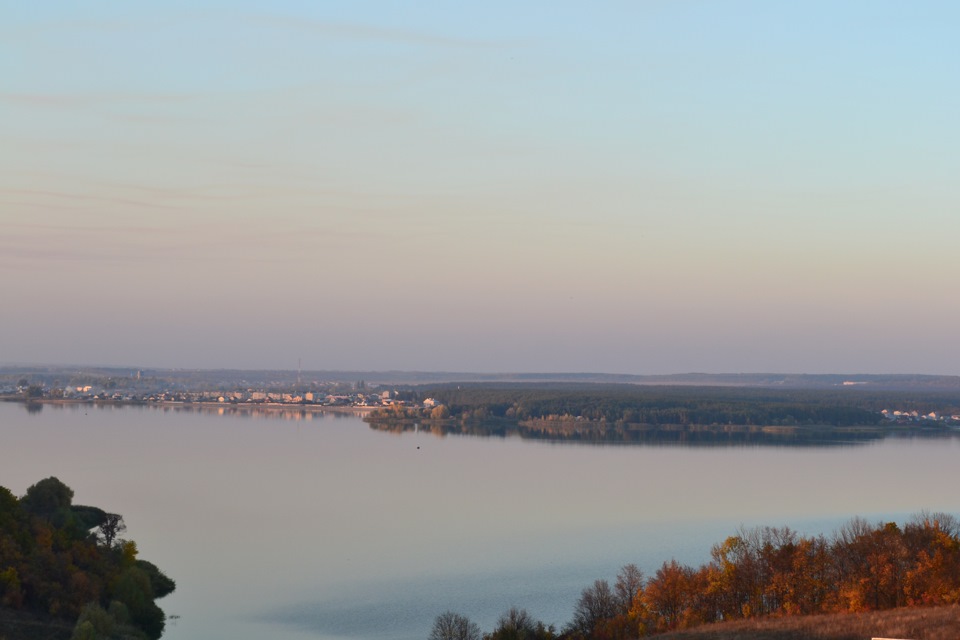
321,527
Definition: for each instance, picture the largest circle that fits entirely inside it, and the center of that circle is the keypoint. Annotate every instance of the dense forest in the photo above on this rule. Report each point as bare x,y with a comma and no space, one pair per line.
758,573
666,405
66,562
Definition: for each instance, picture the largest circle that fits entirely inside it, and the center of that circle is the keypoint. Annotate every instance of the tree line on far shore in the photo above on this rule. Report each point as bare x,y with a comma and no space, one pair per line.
657,405
760,572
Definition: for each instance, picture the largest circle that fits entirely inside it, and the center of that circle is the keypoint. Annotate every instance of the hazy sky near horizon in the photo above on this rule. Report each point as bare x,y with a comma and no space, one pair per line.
639,187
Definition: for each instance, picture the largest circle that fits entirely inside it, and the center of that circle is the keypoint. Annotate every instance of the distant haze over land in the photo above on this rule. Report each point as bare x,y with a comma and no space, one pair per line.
235,377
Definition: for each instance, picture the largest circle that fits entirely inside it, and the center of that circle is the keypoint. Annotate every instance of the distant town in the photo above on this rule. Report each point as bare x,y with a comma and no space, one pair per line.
316,394
916,417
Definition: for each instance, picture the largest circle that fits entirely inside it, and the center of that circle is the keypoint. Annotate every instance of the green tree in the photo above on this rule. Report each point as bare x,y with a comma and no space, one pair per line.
159,582
11,593
94,623
134,590
85,631
47,497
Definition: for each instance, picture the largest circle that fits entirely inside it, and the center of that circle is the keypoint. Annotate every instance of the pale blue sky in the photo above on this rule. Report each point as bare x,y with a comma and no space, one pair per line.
639,187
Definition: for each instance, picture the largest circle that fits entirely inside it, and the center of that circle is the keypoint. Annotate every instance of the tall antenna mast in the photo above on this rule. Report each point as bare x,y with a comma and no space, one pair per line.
298,371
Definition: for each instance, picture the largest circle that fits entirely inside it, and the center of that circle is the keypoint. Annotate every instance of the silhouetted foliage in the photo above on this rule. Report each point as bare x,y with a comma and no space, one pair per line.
111,526
629,584
88,517
47,497
134,590
517,624
453,626
596,604
159,582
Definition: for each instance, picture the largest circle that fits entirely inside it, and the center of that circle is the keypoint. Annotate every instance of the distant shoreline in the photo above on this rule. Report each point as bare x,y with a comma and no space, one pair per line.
241,406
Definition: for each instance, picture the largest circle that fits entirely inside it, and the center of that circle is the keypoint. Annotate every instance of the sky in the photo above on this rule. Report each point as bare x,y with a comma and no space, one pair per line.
639,187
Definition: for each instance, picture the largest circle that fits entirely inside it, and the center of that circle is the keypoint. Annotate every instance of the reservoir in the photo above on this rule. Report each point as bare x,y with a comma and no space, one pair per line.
317,526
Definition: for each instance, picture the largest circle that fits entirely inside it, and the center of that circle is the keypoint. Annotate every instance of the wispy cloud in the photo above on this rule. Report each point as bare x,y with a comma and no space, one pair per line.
300,23
131,243
62,196
364,31
75,100
31,30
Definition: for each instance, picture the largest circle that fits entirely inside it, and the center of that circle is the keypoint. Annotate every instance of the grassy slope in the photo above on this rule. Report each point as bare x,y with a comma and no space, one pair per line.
915,623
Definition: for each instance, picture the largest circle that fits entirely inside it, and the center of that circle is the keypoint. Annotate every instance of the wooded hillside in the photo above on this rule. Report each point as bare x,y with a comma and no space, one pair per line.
67,563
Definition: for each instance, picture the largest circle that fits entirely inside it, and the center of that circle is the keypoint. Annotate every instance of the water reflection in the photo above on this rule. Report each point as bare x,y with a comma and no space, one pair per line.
655,435
294,413
559,432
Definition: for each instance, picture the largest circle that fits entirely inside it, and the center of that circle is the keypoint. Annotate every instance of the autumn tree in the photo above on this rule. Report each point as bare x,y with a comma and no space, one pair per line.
872,564
732,580
628,621
813,589
668,596
933,541
440,412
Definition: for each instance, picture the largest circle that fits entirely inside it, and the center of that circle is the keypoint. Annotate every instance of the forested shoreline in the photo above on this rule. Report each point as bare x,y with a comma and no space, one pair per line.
66,563
663,405
759,573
